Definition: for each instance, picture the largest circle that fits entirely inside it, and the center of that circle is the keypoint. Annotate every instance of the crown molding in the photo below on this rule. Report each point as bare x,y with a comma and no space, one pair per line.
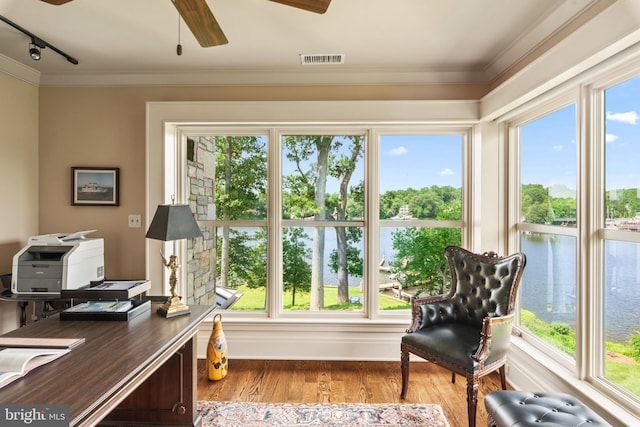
321,75
19,71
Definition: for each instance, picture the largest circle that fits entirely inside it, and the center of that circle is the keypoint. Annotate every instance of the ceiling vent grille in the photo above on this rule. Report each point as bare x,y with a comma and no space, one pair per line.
333,58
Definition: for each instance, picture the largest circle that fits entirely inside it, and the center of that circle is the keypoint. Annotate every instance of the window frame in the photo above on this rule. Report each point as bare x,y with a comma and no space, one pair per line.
371,223
594,93
587,94
542,110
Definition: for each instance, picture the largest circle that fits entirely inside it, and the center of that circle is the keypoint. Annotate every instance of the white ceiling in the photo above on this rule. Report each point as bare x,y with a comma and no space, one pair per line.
384,41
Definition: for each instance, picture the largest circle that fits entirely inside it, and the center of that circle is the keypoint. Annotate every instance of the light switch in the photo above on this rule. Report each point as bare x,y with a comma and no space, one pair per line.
135,221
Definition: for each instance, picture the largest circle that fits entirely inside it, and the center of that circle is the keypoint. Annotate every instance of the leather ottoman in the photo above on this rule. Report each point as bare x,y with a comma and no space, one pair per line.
508,408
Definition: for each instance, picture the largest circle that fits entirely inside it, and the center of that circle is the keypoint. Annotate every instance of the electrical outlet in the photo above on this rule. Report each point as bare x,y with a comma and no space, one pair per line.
135,221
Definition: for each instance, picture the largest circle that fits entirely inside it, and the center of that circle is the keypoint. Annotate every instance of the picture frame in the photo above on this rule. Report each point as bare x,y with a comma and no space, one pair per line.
95,186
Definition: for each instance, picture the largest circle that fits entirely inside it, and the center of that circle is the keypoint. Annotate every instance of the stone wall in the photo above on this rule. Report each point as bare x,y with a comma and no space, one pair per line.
201,251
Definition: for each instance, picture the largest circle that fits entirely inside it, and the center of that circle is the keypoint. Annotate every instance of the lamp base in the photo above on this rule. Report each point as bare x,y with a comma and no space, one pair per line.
173,307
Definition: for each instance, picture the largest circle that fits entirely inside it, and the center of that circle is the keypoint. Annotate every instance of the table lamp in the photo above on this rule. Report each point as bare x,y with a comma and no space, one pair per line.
171,223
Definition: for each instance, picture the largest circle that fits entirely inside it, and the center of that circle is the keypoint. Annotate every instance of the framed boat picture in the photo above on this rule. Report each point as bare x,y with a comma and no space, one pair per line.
92,186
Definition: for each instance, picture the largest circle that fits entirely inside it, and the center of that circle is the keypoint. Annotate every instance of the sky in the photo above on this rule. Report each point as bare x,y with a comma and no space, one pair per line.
420,161
415,161
548,150
622,103
101,178
549,143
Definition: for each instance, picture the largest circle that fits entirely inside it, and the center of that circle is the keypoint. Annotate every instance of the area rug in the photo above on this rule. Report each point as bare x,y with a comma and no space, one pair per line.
241,414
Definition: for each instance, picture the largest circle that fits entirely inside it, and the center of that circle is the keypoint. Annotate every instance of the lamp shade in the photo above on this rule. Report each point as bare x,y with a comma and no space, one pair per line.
173,222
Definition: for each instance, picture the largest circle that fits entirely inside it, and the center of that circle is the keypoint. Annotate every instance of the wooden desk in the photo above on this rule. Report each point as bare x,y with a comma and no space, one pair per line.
140,371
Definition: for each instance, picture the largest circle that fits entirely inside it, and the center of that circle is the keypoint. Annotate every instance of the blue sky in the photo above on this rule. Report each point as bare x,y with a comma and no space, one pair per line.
411,161
622,103
548,150
100,178
420,161
549,143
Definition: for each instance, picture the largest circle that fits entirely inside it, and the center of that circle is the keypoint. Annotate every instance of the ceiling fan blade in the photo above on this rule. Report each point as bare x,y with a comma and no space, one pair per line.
56,2
198,17
317,6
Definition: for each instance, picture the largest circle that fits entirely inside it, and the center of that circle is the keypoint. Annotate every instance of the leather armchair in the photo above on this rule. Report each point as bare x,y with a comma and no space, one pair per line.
468,330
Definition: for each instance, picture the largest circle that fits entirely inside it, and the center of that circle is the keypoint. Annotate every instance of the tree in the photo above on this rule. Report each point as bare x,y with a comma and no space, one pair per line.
315,158
296,273
342,168
420,252
240,180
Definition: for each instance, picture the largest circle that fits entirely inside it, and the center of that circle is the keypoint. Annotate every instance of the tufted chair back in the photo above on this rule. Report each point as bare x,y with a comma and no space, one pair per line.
482,285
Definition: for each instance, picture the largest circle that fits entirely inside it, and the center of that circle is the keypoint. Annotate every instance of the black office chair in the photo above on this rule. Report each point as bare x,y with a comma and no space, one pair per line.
468,330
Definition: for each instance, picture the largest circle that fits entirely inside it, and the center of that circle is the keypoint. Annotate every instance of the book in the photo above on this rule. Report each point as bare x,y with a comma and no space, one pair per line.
40,342
93,311
17,362
101,307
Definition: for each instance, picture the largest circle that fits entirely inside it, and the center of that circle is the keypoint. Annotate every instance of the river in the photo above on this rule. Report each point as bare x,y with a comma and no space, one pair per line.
548,286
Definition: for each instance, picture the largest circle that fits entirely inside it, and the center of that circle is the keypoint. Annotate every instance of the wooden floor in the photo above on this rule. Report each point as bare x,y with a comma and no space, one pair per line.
344,382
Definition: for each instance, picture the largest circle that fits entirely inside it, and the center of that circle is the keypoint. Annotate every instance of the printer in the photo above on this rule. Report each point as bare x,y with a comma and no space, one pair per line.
52,262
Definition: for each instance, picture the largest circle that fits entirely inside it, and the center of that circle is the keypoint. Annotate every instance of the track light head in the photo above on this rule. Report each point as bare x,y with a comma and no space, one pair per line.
34,52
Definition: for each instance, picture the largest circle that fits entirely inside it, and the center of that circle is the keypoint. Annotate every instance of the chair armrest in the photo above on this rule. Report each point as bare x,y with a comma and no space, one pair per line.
430,310
494,339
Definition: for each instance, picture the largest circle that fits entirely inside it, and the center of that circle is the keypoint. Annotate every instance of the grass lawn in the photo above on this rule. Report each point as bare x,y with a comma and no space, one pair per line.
254,299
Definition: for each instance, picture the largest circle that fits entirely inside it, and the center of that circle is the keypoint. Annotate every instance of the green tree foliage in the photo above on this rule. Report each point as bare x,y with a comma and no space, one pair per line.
247,259
315,158
355,261
539,207
421,253
622,203
240,176
424,203
296,273
240,188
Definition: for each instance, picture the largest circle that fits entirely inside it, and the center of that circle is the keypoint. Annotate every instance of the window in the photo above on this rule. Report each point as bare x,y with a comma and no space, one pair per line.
420,214
337,203
548,220
598,211
227,184
323,221
621,254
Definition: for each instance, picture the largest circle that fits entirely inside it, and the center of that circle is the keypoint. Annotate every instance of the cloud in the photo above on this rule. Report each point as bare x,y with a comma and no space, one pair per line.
557,148
630,117
398,151
446,171
610,137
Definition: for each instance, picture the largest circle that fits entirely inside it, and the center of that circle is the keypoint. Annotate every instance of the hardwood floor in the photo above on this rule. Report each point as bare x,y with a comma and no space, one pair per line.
304,381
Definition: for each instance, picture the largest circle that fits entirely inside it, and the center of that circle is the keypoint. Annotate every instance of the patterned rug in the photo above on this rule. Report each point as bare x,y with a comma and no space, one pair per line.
241,414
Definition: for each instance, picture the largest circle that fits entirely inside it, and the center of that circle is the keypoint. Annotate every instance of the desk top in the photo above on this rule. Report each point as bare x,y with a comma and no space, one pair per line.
114,353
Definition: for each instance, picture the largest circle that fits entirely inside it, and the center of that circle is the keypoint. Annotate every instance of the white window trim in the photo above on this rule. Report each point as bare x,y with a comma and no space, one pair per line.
585,379
163,119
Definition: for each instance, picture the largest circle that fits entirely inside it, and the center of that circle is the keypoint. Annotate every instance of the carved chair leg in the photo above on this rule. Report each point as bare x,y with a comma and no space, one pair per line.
404,367
503,377
472,399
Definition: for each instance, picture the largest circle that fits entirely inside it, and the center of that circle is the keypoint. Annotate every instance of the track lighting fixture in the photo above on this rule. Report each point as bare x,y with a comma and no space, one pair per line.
34,52
37,44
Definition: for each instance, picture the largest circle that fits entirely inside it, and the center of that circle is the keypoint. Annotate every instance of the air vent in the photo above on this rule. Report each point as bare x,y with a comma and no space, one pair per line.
333,58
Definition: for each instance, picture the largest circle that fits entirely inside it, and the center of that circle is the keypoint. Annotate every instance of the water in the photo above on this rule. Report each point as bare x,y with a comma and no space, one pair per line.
548,286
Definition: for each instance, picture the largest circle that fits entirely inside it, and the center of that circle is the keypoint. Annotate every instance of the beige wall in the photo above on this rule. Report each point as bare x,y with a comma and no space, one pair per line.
105,126
18,177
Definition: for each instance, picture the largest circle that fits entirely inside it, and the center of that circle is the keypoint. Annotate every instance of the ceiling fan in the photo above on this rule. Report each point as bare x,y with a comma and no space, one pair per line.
198,17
